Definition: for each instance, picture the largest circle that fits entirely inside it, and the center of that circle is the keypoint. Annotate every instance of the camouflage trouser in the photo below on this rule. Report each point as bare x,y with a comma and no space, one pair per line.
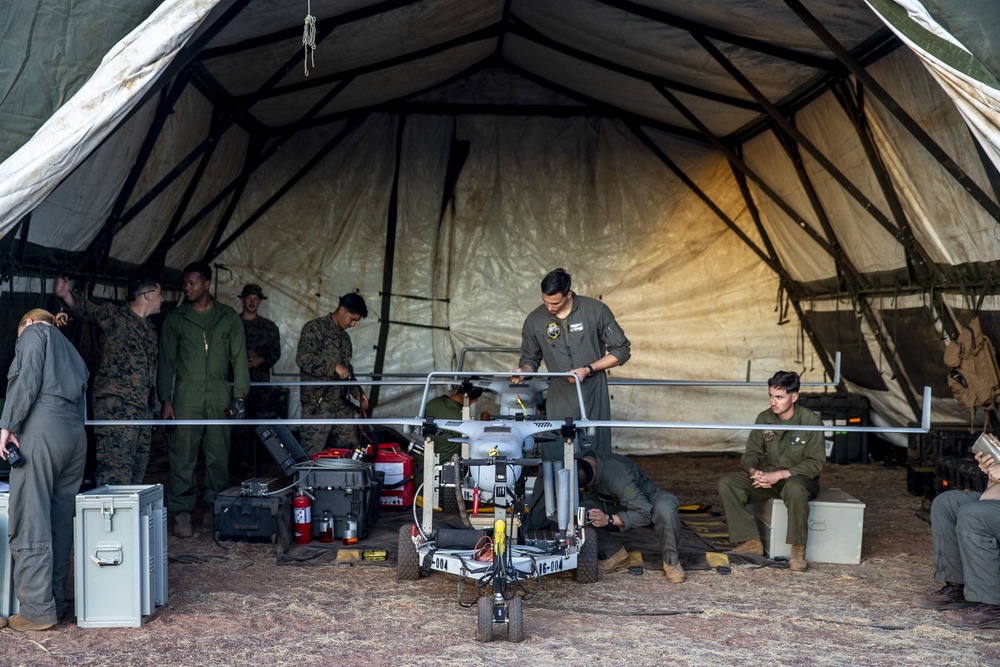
122,451
314,438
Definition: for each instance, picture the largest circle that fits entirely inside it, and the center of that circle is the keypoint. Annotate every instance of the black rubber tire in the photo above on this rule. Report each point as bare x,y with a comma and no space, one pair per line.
586,559
515,620
407,559
484,624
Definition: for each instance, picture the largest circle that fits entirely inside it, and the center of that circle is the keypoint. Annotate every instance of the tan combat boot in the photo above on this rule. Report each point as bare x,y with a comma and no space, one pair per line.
675,573
21,624
616,561
182,525
797,561
749,548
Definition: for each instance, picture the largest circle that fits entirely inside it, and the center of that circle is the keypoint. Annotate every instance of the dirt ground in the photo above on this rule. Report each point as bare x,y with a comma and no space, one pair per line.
235,606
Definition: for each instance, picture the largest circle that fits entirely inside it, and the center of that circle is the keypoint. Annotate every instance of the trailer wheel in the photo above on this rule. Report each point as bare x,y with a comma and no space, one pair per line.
586,558
515,620
484,625
407,559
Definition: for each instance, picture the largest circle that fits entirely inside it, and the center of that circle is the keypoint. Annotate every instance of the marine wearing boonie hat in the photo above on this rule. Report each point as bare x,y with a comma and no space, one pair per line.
252,290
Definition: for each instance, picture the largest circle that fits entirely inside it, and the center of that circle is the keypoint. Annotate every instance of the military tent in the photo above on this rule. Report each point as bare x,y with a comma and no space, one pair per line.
748,184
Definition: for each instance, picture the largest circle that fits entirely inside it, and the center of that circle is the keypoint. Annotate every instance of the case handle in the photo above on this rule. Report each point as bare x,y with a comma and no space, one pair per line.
115,551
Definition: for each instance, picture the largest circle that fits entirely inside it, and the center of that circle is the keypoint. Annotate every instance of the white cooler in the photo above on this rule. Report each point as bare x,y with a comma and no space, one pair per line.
836,521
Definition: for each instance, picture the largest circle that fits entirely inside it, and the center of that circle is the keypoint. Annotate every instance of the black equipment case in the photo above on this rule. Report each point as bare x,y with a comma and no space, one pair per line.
345,489
239,516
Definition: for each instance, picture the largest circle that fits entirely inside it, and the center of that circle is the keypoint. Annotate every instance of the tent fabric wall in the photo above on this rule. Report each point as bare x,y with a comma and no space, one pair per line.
45,56
946,222
970,83
585,195
77,127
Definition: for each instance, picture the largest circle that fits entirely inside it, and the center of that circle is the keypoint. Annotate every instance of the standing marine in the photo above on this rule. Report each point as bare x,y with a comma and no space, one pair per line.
125,386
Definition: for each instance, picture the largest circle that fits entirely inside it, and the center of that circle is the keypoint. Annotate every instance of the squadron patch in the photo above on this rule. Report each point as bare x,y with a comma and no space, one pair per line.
553,330
768,436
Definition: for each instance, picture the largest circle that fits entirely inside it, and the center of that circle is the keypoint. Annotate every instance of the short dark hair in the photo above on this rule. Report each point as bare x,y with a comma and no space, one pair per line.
139,286
466,389
787,380
556,282
584,473
353,303
199,267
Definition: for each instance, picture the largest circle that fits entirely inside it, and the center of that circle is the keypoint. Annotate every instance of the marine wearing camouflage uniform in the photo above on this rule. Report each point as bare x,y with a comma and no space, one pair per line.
123,389
263,338
323,345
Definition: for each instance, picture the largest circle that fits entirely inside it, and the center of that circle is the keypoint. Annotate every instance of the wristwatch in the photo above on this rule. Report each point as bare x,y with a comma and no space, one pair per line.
591,369
611,521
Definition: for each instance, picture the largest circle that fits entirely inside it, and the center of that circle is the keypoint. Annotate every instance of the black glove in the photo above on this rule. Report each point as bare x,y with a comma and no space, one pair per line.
238,409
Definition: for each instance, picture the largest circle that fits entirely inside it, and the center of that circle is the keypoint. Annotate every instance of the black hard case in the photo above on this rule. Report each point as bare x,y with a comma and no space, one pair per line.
282,446
254,518
343,493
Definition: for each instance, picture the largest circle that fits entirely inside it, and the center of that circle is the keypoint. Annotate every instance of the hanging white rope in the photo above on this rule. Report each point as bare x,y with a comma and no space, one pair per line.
309,39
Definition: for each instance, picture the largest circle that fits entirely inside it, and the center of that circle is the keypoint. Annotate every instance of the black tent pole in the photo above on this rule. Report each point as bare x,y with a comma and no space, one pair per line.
388,266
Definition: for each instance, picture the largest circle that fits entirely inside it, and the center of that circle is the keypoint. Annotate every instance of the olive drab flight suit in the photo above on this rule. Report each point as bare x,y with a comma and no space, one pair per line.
197,353
966,530
46,394
802,453
123,389
588,333
623,489
444,407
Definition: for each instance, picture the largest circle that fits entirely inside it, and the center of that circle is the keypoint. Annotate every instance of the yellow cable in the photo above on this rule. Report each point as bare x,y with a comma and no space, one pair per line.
499,537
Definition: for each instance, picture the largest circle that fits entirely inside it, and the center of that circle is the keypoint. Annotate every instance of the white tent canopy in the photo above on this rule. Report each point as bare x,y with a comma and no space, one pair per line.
749,186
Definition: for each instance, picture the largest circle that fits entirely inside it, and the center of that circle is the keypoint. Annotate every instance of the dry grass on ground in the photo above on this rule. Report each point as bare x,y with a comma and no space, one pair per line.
237,607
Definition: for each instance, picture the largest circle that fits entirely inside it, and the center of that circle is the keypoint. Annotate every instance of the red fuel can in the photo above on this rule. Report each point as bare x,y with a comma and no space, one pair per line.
398,487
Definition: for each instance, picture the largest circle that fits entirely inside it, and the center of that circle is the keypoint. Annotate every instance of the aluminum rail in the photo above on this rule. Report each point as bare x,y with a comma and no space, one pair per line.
724,383
461,354
410,378
925,423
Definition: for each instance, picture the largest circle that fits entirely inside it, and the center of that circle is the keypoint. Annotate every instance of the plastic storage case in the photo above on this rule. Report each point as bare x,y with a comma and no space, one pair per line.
8,600
120,543
841,410
836,521
282,446
349,491
239,516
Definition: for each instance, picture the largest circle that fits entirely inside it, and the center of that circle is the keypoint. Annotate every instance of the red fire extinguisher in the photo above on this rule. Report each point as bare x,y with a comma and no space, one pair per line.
303,518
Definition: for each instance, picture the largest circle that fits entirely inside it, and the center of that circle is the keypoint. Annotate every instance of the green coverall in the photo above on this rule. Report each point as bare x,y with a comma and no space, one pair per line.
802,453
199,350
